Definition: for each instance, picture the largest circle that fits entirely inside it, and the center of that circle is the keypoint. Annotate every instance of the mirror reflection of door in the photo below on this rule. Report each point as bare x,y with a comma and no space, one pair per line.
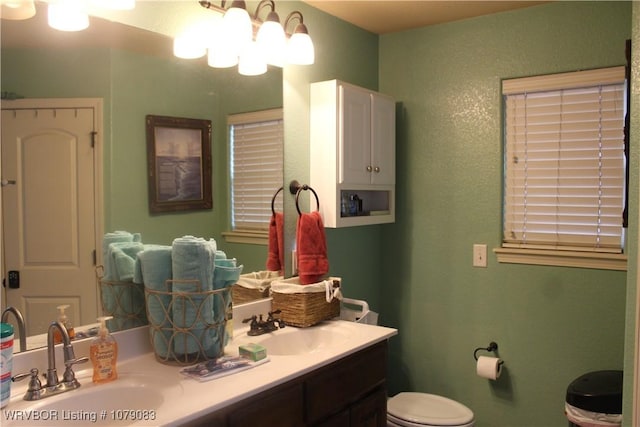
50,220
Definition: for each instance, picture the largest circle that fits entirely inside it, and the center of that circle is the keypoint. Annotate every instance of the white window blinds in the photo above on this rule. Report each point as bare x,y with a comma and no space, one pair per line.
256,167
565,161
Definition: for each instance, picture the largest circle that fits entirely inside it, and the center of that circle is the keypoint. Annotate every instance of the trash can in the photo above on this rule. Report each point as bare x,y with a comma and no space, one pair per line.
595,400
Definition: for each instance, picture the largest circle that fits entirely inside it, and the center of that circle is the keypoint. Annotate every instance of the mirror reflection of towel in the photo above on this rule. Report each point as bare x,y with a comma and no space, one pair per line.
193,266
311,243
153,268
275,255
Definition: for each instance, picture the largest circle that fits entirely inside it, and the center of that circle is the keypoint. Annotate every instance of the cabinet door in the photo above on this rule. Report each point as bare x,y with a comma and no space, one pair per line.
354,143
383,137
370,411
282,407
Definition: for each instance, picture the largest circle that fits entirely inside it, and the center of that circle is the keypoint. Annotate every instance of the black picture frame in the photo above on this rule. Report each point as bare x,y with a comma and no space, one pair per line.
179,164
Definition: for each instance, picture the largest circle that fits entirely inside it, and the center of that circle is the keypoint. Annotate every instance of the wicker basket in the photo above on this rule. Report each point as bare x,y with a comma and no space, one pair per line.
303,309
124,302
253,286
185,326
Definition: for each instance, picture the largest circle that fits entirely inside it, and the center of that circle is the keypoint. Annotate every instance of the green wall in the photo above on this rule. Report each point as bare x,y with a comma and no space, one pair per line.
631,355
552,324
346,53
133,85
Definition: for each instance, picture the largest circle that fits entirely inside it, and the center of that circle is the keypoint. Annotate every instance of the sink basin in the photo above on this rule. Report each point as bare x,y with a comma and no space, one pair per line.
291,341
130,399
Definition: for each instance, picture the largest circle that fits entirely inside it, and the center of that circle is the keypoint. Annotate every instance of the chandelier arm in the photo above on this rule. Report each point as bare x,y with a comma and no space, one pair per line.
262,4
293,15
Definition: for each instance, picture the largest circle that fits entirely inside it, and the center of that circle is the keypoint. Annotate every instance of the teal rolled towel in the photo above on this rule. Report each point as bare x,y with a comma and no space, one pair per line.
123,259
107,292
223,278
153,269
192,311
108,239
120,299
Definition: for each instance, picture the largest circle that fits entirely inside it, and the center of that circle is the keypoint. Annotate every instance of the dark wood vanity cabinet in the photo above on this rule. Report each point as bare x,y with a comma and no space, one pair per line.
348,392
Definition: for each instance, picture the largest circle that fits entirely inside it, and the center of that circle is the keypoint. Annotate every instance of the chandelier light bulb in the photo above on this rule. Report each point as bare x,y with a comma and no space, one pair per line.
222,56
300,50
67,15
237,27
252,61
17,9
272,41
187,46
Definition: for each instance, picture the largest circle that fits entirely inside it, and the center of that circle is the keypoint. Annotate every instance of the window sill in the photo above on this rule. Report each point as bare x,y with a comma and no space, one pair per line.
602,261
247,237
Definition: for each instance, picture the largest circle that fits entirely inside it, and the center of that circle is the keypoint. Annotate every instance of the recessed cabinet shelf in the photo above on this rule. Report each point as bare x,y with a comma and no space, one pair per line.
352,154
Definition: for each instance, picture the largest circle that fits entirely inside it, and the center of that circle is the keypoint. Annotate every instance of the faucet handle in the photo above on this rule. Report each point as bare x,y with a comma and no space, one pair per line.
70,363
69,376
34,382
250,319
271,313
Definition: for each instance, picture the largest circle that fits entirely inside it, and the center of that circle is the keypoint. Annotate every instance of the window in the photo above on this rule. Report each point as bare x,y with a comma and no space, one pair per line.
565,164
256,144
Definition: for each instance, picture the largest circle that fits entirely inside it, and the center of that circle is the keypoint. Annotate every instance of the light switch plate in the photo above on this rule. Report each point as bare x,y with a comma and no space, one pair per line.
479,255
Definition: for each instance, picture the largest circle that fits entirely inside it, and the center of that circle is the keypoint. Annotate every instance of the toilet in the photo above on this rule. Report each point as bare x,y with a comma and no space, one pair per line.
409,409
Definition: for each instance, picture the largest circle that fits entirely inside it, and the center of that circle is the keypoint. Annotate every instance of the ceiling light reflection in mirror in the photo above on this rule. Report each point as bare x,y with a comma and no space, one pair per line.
62,15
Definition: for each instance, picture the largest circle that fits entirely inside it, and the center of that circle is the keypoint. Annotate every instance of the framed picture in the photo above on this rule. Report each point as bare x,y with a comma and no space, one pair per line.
178,164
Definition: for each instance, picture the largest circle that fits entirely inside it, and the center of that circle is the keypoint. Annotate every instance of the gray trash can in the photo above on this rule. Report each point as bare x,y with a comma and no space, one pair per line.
595,399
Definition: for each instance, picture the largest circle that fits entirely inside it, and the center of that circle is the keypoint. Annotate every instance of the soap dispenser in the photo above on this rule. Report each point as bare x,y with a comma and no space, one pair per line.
62,318
104,354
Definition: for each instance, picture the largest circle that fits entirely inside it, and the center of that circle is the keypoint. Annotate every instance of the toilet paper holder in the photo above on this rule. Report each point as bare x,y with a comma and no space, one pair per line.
493,346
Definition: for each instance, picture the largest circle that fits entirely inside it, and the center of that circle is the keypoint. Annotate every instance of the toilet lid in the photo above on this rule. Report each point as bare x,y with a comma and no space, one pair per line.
422,408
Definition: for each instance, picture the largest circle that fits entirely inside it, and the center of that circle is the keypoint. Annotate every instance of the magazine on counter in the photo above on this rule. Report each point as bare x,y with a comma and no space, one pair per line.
220,367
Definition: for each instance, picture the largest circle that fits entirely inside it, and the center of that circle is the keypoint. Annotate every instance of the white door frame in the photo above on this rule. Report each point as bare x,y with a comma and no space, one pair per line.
97,105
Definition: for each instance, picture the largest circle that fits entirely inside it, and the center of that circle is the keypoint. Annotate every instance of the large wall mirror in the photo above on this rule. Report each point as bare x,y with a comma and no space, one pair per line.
127,62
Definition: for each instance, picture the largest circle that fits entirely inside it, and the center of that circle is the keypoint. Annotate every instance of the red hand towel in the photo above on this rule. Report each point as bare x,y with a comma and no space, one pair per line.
275,256
312,248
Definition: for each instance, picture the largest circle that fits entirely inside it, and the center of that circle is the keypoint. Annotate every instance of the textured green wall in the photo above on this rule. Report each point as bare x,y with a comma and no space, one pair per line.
132,86
552,324
347,53
631,335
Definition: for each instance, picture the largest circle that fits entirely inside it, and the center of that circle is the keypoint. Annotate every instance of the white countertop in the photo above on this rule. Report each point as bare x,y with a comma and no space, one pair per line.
187,399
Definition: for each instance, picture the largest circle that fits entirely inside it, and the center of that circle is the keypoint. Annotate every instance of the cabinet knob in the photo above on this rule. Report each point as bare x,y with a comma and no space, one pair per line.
369,168
376,169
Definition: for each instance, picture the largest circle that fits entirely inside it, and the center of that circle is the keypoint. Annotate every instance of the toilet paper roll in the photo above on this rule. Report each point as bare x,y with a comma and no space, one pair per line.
489,367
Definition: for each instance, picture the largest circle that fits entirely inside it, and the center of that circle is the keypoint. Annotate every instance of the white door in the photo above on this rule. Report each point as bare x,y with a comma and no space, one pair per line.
355,136
383,140
51,223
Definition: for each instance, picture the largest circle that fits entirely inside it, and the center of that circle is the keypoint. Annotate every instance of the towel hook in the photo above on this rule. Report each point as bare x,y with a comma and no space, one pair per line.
295,188
493,346
273,200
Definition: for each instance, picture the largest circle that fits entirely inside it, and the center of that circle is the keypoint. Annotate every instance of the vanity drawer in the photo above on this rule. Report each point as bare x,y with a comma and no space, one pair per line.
345,382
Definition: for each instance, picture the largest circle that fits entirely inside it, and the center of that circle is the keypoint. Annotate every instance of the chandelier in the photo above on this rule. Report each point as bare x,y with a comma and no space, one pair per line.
234,37
63,15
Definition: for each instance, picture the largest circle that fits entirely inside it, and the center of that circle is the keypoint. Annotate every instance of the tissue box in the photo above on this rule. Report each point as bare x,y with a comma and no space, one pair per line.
252,351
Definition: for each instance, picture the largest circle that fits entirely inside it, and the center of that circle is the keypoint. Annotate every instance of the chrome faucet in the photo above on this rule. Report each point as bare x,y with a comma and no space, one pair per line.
53,386
21,324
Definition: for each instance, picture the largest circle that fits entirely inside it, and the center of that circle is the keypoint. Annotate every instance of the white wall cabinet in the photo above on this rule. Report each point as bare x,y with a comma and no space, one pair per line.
352,154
